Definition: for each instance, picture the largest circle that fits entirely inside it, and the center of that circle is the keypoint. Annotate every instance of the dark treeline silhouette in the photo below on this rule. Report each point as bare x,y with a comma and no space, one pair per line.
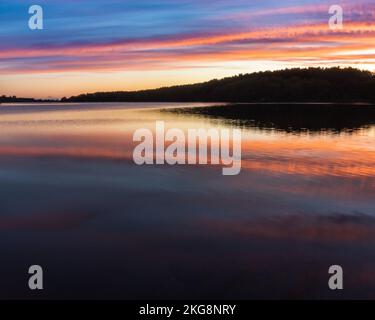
10,99
290,117
15,99
299,85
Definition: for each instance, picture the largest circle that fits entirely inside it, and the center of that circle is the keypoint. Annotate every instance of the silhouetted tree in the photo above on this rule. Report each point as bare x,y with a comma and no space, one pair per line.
300,85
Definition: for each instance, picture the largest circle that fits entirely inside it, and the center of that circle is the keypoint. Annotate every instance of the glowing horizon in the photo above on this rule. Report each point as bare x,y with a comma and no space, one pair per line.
130,45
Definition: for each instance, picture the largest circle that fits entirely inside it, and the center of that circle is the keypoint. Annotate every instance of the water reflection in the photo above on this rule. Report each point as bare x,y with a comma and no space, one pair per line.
72,200
292,117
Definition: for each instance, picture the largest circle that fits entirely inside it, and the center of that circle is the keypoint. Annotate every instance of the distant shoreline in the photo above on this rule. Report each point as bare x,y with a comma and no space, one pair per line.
359,103
310,85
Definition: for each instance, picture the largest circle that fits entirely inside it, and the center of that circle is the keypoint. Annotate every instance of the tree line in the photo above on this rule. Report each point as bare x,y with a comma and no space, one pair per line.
299,85
13,99
290,85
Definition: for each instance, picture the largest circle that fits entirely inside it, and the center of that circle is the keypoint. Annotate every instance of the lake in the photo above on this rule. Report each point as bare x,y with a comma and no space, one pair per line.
73,201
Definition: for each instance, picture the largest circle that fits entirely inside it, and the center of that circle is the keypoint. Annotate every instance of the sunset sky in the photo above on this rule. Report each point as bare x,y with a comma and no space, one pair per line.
93,45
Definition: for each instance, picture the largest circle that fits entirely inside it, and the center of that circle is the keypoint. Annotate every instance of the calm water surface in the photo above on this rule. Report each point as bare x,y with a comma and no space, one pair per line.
73,201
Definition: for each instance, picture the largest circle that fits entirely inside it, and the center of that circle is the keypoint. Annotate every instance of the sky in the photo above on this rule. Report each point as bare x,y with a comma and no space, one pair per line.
109,45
